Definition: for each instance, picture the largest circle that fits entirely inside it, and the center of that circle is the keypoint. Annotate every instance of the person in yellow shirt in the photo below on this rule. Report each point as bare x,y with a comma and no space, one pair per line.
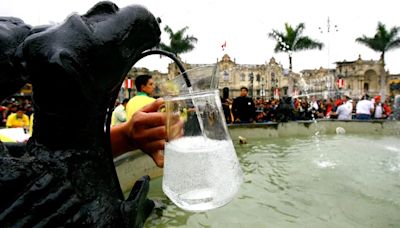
18,119
145,87
31,124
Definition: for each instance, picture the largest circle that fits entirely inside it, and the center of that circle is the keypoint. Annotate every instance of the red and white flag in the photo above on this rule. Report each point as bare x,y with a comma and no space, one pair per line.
128,83
223,46
340,83
276,93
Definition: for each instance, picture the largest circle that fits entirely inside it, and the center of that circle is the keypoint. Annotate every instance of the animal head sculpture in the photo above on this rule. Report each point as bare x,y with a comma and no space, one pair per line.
13,32
76,68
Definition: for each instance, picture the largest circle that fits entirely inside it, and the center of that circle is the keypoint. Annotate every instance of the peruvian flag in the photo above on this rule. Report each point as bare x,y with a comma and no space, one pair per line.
296,92
276,93
129,83
223,46
340,83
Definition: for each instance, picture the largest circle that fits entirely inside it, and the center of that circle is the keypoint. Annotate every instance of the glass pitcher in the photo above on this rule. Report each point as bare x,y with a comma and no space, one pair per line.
201,169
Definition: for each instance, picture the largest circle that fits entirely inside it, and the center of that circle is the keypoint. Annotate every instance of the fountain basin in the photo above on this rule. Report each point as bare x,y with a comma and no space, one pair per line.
134,164
301,174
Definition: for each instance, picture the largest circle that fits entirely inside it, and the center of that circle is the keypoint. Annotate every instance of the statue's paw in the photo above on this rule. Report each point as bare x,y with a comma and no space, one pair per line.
137,207
45,201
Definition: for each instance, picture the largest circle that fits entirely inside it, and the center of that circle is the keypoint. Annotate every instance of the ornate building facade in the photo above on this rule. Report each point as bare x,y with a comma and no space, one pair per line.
352,78
263,80
271,80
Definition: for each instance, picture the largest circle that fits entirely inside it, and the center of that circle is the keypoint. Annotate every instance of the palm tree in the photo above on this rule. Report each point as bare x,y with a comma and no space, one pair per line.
292,40
179,42
383,41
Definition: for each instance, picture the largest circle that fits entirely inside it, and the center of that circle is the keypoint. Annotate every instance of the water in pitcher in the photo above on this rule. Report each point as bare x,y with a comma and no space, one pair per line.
202,173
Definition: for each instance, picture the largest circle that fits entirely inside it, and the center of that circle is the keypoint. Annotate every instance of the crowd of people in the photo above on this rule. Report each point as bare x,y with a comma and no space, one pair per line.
244,109
19,113
16,113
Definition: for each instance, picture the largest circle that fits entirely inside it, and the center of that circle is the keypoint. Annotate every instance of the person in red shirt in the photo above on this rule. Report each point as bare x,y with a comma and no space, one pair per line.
329,108
387,109
338,102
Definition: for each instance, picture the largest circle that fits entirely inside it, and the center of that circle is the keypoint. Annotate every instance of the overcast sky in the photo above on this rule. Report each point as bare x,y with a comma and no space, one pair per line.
245,25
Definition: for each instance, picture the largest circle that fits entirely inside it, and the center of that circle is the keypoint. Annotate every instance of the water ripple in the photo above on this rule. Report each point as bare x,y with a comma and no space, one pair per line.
318,181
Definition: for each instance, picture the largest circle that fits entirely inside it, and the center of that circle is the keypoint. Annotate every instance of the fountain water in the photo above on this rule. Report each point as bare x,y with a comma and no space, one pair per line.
302,173
292,185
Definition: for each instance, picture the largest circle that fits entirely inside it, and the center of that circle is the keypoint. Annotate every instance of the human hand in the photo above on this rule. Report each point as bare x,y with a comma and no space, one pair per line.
146,130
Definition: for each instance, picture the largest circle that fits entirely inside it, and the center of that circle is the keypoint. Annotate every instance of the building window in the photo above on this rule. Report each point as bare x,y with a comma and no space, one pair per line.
226,76
242,77
258,77
157,90
251,76
366,87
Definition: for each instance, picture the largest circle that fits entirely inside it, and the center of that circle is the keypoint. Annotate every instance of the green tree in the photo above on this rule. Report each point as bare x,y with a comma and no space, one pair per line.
383,41
292,40
179,42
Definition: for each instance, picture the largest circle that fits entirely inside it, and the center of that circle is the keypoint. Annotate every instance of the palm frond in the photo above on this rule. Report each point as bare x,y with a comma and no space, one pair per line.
292,39
383,40
179,42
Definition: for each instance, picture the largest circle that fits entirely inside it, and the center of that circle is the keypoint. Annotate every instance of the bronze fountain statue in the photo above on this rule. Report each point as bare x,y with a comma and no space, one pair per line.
64,174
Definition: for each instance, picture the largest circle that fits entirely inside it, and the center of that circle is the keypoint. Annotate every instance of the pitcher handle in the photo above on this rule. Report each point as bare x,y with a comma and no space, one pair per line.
171,56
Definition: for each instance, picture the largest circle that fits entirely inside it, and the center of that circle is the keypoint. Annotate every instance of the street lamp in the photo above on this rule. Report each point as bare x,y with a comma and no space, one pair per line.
251,78
328,31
